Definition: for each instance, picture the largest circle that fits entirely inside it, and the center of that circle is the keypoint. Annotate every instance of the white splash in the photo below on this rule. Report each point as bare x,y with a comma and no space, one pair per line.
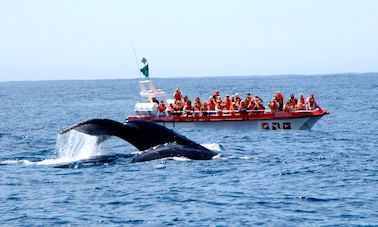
213,146
74,146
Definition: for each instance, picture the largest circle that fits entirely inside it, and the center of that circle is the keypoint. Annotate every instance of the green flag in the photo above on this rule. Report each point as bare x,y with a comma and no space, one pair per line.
145,71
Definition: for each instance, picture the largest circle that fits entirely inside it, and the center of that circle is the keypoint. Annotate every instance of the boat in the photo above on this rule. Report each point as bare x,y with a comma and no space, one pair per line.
147,110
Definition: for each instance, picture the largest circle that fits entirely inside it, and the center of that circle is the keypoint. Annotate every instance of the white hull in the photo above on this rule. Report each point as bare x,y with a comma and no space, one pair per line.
304,123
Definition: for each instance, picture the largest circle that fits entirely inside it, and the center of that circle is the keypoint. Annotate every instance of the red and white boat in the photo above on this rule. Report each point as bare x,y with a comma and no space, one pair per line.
252,120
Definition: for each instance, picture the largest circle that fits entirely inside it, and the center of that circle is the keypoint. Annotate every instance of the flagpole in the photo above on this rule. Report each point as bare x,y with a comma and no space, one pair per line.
135,56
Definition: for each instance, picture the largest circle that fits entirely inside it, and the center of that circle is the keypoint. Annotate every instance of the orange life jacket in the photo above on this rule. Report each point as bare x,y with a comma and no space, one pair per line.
177,95
211,105
162,107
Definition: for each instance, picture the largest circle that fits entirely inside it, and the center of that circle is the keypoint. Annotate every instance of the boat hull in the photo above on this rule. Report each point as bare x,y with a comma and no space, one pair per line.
301,120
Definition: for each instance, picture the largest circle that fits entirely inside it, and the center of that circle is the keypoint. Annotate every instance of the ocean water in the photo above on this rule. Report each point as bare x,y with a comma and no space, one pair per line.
324,176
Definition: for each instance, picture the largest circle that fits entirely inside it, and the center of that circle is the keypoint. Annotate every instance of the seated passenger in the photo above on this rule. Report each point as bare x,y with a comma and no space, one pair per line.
197,101
211,104
274,105
288,107
171,109
185,99
259,105
204,109
177,95
252,105
178,106
227,102
216,94
301,103
233,108
310,103
162,107
242,107
248,99
293,101
279,98
188,108
196,109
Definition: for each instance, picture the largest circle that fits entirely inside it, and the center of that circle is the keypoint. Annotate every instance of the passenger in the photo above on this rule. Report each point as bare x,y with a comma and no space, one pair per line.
185,99
171,109
301,103
219,107
211,103
227,102
274,105
251,106
279,98
293,101
188,108
233,108
162,107
177,95
197,101
237,99
310,103
288,107
248,99
216,94
196,107
178,106
259,105
204,109
242,107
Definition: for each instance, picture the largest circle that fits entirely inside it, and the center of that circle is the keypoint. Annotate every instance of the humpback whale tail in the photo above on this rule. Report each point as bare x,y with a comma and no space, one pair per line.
155,141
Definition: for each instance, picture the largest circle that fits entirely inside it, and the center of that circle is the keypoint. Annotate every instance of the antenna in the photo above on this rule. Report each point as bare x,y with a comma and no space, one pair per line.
135,56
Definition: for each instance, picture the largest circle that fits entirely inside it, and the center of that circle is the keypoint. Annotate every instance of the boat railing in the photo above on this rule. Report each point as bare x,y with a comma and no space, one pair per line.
221,113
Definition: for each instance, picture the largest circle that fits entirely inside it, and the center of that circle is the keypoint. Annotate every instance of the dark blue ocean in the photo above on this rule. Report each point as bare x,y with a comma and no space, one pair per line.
324,176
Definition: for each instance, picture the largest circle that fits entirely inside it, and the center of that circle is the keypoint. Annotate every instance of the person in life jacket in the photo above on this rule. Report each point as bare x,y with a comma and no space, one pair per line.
188,108
310,103
248,99
171,108
204,109
179,106
162,107
227,102
233,108
185,99
211,103
274,105
216,94
288,107
251,106
177,95
237,99
259,105
197,101
292,101
279,98
242,107
196,109
301,103
219,107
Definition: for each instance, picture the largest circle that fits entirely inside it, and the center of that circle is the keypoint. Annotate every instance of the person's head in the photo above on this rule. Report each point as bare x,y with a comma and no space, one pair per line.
292,96
197,99
188,103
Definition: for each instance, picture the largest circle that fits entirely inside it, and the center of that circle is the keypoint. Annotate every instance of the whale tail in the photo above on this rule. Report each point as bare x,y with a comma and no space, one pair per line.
145,135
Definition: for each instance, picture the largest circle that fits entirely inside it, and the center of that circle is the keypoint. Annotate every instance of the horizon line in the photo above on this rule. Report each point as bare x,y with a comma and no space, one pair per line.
199,76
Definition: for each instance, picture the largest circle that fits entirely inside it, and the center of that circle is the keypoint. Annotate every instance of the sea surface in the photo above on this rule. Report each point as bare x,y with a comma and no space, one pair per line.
324,176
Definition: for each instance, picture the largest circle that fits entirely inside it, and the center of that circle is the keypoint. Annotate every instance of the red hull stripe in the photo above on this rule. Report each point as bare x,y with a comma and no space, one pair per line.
235,117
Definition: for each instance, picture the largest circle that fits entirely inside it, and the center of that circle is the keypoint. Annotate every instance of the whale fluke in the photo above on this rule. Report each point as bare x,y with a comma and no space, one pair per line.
154,140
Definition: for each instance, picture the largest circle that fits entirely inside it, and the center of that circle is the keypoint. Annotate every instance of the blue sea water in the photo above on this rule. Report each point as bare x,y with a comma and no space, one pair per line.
324,176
